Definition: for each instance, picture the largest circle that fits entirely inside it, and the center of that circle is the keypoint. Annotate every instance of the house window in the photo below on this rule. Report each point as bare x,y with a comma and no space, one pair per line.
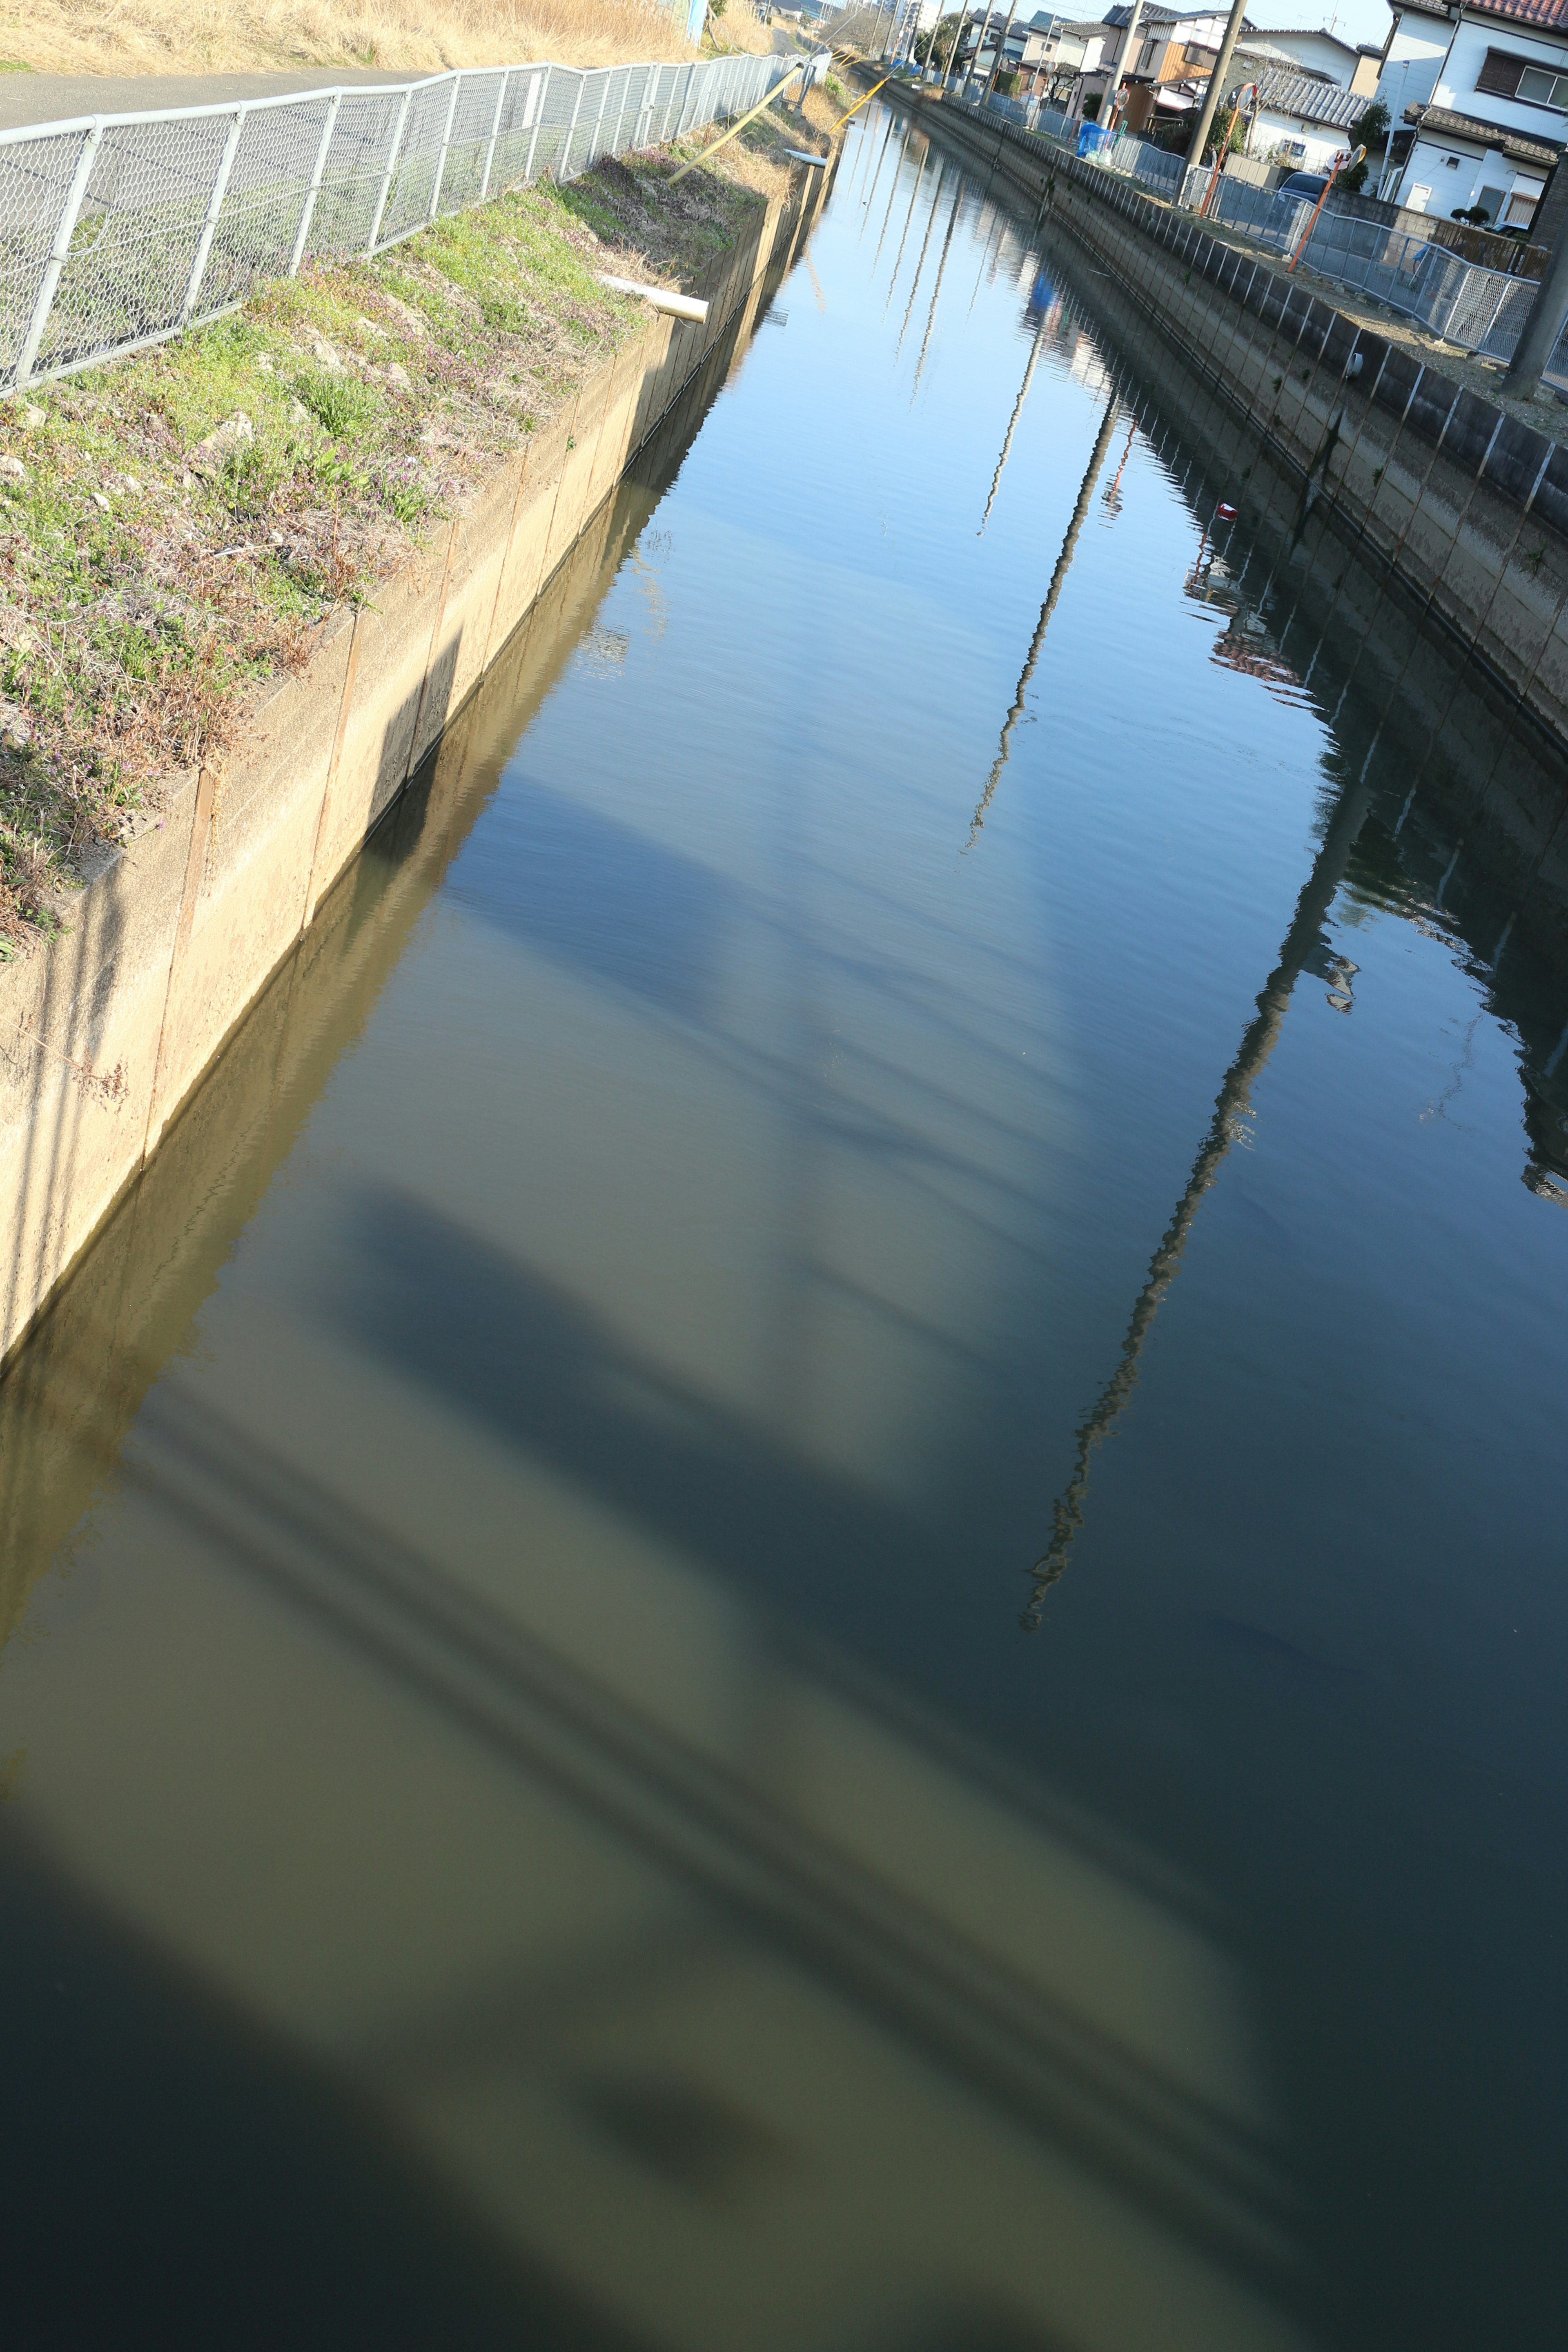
1506,74
1500,74
1491,203
1543,89
1520,212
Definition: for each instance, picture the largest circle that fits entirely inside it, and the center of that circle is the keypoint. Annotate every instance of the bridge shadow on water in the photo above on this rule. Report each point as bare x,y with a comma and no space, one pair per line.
868,2038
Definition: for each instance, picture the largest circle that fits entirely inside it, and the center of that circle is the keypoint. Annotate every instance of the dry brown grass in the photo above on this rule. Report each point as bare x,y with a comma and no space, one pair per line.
137,37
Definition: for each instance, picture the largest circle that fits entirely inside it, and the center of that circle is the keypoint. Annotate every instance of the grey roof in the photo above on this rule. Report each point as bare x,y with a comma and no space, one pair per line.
1309,101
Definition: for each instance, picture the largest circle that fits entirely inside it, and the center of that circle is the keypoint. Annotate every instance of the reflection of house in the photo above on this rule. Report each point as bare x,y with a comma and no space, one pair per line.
1479,104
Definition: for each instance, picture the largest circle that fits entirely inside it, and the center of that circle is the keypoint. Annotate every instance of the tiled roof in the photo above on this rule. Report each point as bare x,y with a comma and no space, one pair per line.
1551,13
1309,101
1473,127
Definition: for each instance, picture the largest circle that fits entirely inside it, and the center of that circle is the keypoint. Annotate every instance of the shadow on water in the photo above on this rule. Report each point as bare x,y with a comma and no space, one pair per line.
855,2036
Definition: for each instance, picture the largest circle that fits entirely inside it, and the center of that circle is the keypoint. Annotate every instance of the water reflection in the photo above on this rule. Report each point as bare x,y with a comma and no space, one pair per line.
526,1735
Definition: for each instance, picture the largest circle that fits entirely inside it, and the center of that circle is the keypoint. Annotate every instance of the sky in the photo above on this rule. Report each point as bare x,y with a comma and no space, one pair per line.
1352,20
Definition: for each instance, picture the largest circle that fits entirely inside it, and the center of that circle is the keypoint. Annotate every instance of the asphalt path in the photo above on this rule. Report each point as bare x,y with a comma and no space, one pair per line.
42,98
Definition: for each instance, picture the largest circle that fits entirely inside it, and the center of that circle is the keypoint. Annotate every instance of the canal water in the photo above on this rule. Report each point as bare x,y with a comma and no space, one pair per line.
798,1579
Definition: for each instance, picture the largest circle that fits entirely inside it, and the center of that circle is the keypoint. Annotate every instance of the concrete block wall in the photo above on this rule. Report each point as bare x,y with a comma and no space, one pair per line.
105,1033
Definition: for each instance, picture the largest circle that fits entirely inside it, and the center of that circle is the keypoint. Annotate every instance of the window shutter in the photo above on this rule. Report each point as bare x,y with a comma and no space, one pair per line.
1499,75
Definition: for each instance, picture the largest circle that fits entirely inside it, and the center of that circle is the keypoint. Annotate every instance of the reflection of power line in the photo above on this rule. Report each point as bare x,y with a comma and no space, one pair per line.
1064,564
1012,423
1232,1105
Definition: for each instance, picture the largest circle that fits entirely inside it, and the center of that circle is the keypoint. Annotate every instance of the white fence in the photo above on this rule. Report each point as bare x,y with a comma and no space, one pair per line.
118,231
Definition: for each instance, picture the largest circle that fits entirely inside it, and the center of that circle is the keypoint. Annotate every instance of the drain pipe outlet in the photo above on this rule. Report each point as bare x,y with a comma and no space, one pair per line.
679,306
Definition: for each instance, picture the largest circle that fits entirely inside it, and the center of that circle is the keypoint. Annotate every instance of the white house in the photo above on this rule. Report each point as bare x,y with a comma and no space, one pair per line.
1301,120
1478,103
1354,66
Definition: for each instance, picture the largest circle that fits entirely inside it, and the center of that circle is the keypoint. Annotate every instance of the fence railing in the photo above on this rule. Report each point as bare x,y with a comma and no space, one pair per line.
118,231
1462,302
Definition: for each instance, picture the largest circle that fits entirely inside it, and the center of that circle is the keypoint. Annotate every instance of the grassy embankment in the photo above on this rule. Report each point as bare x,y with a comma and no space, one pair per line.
175,526
141,36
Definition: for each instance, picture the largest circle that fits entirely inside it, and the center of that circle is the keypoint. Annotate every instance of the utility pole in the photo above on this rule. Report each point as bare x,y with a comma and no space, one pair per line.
1001,51
1124,65
957,38
974,60
1549,312
1217,83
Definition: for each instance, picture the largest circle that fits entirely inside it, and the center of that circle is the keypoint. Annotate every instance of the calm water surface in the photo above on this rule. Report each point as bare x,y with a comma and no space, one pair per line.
797,1581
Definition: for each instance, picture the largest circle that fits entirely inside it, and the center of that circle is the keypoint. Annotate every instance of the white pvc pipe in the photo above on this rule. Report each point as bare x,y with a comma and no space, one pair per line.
680,306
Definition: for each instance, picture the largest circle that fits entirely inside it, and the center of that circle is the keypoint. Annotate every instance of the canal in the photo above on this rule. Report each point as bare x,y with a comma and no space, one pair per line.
790,1584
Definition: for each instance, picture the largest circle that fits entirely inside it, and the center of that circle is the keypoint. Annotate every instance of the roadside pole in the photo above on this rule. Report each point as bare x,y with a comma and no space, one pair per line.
1217,83
1122,67
1549,312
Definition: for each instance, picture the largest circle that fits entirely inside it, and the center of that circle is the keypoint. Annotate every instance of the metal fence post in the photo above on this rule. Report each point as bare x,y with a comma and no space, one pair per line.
209,226
563,162
69,213
385,188
445,142
594,150
495,130
308,214
538,123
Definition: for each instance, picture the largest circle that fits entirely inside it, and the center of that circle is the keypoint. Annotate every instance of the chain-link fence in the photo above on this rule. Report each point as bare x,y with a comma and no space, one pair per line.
118,231
1460,301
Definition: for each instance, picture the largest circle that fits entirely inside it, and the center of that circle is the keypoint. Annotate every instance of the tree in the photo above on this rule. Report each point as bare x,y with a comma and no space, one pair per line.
1370,132
935,48
1227,132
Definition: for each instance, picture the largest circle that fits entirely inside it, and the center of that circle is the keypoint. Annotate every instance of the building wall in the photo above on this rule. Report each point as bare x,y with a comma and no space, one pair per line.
1319,51
1310,146
1430,62
1416,56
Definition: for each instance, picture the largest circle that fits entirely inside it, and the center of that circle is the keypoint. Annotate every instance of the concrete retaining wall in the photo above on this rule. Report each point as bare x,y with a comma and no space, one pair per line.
105,1033
1466,505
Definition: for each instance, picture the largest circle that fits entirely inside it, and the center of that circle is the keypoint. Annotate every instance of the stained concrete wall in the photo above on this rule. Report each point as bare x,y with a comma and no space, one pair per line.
105,1033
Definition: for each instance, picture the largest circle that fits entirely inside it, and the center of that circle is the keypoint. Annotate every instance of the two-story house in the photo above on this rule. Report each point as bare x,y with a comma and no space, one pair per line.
1354,66
1478,96
1170,49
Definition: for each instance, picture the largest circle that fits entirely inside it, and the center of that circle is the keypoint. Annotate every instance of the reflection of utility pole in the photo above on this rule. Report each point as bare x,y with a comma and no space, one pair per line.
881,158
1064,563
936,290
1012,423
892,192
1113,488
925,247
909,216
1232,1105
